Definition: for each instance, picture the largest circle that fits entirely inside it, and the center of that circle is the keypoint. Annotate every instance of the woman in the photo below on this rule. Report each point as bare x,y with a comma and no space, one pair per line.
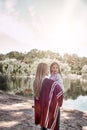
48,98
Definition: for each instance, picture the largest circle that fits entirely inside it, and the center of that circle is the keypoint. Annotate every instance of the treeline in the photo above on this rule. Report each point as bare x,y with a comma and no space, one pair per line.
75,62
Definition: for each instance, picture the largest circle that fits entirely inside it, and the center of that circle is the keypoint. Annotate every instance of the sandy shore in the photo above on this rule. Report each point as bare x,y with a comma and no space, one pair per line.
16,113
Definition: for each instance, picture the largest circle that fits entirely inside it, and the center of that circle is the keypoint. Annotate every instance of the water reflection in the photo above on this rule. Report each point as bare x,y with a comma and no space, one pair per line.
24,86
76,89
21,85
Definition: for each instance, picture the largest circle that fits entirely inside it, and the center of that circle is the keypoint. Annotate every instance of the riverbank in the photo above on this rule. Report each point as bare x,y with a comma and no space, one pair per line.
16,113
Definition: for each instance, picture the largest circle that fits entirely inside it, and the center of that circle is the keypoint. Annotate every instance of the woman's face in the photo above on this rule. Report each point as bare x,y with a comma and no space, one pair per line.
54,69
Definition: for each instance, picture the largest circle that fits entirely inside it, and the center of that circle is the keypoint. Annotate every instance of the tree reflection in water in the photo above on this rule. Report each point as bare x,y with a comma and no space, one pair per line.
24,86
76,89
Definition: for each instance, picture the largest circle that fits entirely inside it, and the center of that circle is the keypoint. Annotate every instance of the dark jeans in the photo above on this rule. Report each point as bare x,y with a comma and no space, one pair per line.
59,119
42,128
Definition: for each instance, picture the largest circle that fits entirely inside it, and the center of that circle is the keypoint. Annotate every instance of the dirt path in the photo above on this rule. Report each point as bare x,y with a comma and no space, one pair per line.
16,113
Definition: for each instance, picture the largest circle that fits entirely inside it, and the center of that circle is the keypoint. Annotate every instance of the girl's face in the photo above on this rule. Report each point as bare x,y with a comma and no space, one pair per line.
54,69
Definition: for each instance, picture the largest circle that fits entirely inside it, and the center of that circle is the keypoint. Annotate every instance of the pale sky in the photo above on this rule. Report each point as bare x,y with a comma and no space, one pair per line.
56,25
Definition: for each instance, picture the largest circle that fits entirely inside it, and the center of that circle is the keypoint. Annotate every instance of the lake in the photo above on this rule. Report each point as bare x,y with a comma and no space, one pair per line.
80,103
75,90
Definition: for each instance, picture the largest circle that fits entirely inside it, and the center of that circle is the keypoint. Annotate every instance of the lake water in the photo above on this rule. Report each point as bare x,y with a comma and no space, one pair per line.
75,94
75,91
80,103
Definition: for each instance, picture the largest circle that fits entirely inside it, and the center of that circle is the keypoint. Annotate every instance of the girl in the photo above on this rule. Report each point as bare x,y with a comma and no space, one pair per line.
48,97
56,76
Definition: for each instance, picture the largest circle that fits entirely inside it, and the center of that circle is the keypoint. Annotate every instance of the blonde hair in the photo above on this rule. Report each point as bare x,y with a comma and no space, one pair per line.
40,74
54,63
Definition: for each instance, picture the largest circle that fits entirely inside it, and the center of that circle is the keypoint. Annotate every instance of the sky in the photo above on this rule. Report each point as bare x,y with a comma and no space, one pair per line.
56,25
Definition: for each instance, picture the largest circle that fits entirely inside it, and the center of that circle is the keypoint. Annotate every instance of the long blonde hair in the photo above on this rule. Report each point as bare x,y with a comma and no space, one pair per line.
40,74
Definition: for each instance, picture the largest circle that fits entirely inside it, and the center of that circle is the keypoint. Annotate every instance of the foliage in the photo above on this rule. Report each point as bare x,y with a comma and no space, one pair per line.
3,82
76,63
13,67
15,55
84,69
2,57
33,57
